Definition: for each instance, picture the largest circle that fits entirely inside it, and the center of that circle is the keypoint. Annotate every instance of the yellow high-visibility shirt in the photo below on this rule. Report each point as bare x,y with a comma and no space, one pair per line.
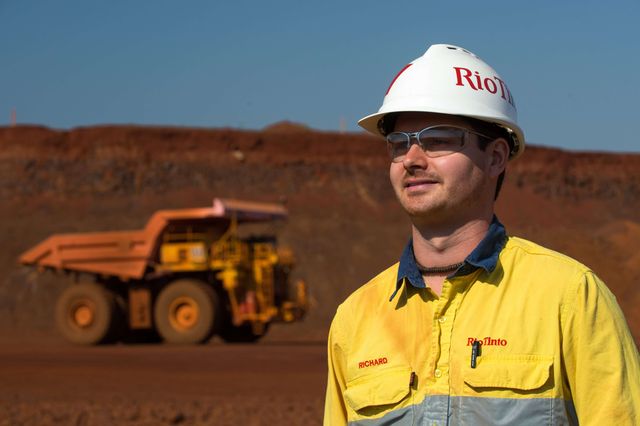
552,346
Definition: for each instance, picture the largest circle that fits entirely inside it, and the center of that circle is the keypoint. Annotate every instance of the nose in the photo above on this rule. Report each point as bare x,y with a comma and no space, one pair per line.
415,158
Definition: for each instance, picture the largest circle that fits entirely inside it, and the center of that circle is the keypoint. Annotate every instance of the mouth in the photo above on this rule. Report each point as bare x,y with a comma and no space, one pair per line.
419,183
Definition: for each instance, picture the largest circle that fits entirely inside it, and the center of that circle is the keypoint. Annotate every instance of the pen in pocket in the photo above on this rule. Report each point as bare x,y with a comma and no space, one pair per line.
475,351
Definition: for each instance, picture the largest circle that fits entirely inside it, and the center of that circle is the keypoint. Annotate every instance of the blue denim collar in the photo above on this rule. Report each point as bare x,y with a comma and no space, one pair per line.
484,256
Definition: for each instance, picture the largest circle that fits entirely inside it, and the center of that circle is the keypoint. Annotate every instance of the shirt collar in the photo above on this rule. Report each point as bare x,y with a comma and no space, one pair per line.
484,256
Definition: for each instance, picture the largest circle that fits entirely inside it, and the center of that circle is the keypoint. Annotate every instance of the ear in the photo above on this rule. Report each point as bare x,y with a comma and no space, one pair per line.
498,156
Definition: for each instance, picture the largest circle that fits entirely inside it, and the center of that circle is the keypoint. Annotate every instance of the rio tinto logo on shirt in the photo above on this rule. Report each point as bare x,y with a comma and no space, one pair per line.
487,341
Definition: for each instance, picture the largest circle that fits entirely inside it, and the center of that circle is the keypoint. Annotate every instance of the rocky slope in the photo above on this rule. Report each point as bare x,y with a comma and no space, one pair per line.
345,224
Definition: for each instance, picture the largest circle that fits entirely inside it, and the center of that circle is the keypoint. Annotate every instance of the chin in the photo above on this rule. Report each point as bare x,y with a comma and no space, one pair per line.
417,209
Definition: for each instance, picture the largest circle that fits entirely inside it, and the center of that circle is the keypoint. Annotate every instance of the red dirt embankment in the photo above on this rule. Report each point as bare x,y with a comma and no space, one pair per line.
345,224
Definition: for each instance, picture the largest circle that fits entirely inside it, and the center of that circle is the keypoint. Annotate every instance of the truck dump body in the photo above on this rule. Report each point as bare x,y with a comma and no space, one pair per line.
127,254
186,276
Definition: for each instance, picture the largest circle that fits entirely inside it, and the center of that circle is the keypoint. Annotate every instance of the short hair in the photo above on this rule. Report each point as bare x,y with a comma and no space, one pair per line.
493,131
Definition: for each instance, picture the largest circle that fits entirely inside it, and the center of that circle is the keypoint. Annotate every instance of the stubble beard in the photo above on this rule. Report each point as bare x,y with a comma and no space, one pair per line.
440,205
424,206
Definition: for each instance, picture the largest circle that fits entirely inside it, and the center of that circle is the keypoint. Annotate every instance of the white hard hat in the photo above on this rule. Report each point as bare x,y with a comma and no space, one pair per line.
451,80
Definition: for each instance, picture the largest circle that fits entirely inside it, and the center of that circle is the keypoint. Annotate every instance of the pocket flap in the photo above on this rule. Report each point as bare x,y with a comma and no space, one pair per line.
525,372
384,387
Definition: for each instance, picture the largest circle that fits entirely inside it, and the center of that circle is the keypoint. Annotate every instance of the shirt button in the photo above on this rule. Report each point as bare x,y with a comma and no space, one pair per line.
437,373
441,320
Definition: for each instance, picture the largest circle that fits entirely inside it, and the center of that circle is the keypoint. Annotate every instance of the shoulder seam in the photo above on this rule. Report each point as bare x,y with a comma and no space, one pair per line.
546,252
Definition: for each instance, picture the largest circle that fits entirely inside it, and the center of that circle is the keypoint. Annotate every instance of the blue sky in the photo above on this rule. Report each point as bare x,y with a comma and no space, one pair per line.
573,66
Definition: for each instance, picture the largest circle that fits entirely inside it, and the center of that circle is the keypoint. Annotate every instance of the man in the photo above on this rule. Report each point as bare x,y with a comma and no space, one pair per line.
472,326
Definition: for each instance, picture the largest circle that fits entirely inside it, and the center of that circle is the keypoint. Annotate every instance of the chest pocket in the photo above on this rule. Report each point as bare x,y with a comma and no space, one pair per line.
374,393
515,389
520,372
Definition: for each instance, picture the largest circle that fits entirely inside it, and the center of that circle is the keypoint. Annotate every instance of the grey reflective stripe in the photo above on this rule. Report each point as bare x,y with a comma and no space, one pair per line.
434,410
442,410
511,411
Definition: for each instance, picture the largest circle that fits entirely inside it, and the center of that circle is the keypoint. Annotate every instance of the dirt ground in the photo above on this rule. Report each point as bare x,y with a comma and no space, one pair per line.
271,383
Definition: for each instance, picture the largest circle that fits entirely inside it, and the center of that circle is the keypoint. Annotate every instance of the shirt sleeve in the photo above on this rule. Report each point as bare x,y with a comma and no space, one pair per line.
335,412
601,357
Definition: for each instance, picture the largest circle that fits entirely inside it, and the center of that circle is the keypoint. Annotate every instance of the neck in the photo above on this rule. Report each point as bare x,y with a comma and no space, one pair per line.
447,245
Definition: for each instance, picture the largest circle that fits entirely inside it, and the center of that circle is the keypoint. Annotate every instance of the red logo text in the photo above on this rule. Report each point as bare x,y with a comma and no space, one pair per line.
487,341
465,77
372,362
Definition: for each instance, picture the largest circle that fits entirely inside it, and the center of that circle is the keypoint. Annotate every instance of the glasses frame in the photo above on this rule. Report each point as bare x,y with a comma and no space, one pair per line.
416,136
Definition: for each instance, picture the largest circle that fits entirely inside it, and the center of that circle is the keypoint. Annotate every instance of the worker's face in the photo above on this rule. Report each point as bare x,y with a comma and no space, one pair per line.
454,187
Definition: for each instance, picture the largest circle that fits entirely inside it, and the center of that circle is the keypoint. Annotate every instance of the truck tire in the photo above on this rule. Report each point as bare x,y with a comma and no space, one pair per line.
186,312
240,334
86,314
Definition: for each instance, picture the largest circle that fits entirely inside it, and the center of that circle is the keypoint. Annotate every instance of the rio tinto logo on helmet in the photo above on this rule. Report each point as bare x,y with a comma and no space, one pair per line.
465,77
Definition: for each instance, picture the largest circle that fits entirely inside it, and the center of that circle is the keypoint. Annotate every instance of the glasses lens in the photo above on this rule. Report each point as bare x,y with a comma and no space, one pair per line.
398,145
435,141
441,140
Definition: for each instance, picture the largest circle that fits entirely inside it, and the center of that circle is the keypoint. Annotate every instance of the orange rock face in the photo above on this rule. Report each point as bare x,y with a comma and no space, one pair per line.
345,224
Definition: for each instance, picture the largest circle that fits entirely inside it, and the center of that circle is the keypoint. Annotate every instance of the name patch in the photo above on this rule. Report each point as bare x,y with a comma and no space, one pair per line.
372,362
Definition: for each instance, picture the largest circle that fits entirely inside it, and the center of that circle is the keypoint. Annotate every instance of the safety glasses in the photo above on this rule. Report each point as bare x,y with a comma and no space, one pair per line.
435,141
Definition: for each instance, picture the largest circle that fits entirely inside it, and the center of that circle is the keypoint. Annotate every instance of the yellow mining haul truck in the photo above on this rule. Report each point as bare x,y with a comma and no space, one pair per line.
186,276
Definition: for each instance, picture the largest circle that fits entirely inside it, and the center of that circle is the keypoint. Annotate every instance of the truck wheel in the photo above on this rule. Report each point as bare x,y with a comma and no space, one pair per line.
241,334
186,312
86,314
